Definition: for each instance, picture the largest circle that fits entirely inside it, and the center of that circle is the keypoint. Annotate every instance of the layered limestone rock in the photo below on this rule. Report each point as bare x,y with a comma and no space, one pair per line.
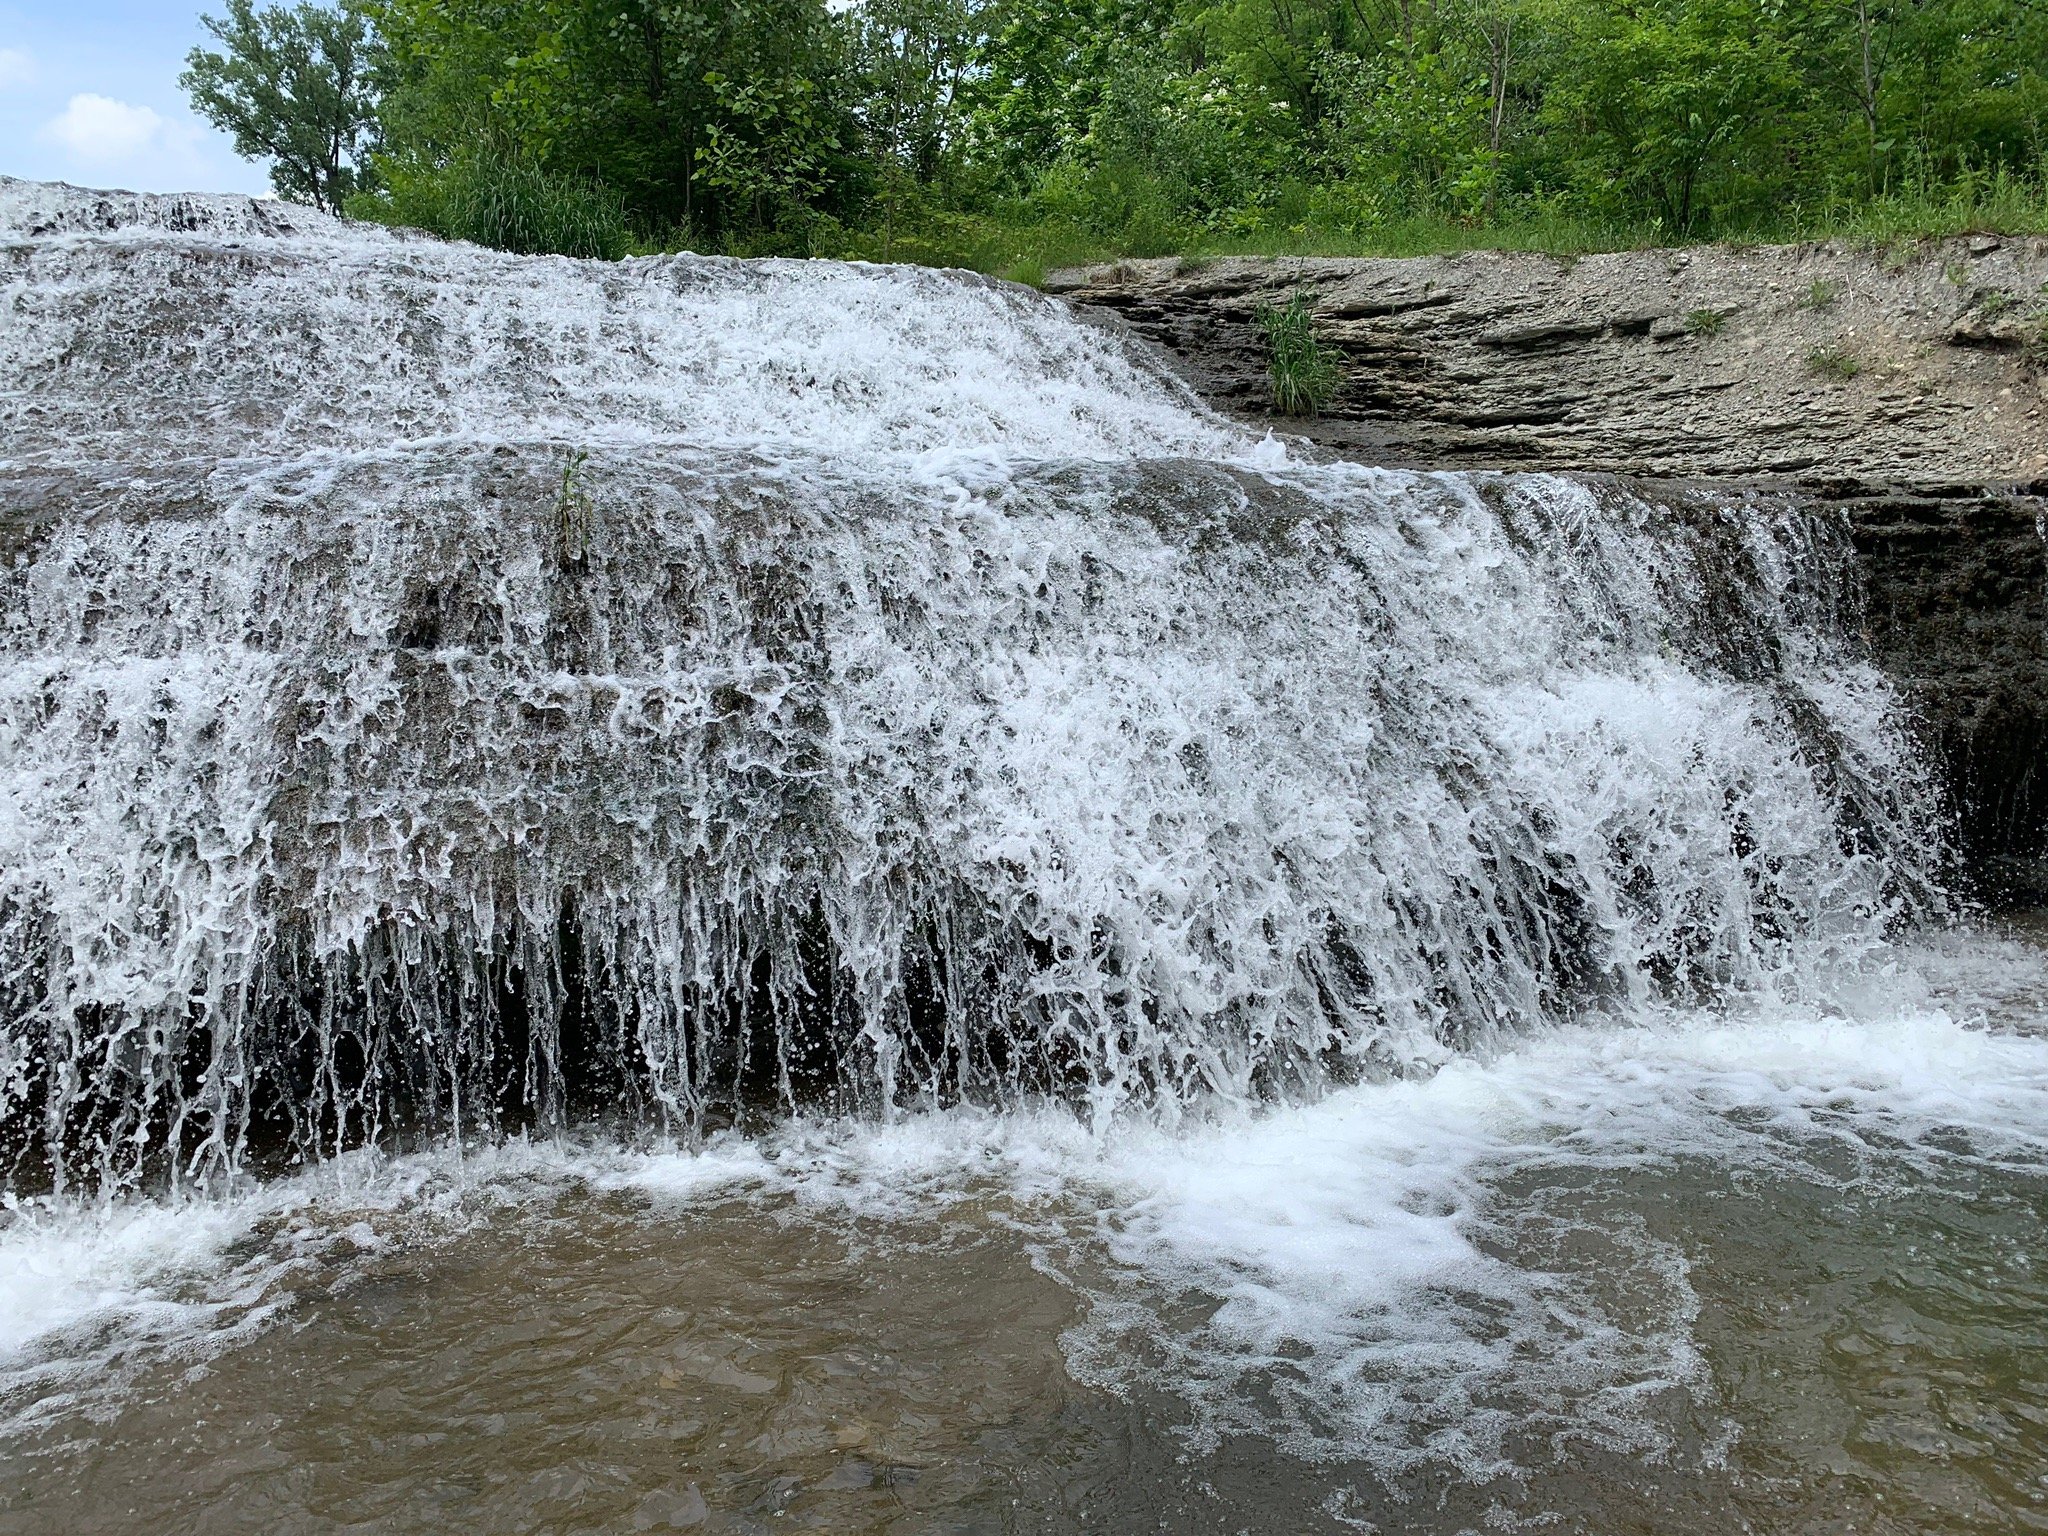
1925,365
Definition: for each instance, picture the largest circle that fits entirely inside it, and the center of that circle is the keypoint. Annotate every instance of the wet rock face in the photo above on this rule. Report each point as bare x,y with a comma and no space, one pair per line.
1957,611
1906,392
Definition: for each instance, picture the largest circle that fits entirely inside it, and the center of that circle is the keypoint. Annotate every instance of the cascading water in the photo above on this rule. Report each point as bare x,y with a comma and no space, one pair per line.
439,684
811,874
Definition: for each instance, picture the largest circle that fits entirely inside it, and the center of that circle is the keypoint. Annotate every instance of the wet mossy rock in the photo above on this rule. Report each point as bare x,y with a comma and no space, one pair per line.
1933,449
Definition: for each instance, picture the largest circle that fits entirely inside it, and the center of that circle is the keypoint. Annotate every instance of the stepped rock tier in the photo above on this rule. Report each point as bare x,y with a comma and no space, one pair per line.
441,688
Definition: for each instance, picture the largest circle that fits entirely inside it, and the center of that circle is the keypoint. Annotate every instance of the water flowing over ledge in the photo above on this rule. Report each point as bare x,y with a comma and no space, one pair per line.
440,688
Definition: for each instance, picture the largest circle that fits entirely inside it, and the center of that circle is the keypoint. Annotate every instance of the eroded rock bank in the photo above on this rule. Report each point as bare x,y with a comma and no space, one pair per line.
1903,390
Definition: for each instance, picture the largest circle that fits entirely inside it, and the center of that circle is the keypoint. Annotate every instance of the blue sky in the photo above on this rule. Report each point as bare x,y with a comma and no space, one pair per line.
89,94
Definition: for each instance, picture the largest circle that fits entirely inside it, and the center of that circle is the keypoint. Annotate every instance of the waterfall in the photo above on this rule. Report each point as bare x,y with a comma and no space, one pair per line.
442,689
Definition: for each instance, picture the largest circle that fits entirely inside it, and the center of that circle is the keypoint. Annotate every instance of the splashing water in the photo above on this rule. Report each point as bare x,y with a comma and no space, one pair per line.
1267,921
440,680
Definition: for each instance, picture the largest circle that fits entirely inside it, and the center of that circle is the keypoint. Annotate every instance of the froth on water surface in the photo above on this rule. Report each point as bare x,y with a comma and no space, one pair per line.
1697,1275
747,896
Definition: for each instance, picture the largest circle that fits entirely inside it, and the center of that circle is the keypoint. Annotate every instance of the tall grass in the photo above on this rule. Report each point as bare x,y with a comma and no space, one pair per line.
1304,372
507,203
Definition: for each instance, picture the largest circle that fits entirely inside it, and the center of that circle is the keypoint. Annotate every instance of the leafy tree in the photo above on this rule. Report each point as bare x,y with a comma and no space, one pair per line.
1674,99
873,126
291,87
707,117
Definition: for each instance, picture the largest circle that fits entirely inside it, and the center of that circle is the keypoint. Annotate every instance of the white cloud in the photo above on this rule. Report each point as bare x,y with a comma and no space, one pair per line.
98,130
116,143
16,68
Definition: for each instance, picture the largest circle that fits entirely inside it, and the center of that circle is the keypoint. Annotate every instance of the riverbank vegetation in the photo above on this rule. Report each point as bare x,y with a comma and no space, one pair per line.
1019,135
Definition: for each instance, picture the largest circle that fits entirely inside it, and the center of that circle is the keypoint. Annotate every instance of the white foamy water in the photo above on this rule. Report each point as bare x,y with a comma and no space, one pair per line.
533,716
433,681
143,332
1405,1273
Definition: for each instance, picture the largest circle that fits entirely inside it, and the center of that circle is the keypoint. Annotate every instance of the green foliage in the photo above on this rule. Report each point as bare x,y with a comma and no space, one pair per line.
1832,362
1705,322
503,201
1670,105
706,118
292,88
1021,134
1304,373
1822,294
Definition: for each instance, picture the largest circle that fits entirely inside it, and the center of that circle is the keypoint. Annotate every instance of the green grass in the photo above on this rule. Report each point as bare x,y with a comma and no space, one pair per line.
524,208
1018,239
1304,372
2003,203
1832,362
1821,295
505,203
1705,322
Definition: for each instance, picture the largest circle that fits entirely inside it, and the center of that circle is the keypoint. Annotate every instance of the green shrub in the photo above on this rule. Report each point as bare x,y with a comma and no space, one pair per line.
507,203
1304,372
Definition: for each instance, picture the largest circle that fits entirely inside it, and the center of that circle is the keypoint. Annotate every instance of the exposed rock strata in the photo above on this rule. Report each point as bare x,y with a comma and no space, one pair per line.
1905,391
1715,361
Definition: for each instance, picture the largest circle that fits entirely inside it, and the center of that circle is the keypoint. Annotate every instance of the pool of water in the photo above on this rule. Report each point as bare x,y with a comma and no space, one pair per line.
1781,1271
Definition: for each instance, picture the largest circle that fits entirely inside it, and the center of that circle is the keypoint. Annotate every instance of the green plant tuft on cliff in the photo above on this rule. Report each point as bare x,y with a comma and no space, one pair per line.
1304,372
1822,294
2034,341
1832,362
1705,322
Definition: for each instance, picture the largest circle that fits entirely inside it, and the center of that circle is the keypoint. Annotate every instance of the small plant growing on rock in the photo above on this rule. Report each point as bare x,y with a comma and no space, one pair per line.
1833,363
1705,322
1994,301
1822,294
2034,342
1304,372
572,515
1028,270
